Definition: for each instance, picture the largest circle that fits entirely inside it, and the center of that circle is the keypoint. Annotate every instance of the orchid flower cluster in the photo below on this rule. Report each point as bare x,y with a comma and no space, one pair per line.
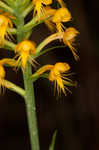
26,50
15,34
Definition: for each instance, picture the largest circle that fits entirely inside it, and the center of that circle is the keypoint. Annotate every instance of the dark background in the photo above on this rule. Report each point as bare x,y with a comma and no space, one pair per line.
75,116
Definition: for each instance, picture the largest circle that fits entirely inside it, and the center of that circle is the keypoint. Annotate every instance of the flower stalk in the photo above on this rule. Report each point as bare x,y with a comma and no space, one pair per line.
30,24
49,39
31,108
27,10
29,95
6,7
16,88
14,36
11,45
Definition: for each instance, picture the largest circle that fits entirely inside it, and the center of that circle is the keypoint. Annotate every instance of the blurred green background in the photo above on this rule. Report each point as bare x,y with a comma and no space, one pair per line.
76,116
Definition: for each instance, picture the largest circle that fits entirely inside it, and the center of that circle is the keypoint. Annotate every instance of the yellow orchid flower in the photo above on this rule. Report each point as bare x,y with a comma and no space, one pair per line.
3,73
69,38
55,16
24,50
5,24
61,15
38,6
47,17
58,74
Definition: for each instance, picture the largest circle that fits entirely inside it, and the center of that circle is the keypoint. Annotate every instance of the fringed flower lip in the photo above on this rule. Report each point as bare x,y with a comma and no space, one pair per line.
47,17
54,18
23,51
3,83
39,6
5,25
60,16
68,37
58,74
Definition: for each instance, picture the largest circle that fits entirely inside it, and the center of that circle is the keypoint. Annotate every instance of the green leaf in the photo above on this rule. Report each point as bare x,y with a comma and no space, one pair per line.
52,145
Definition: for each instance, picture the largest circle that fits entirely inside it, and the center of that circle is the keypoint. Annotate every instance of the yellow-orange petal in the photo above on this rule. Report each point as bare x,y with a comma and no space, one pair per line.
2,72
24,50
62,67
5,24
70,34
26,45
39,6
62,15
47,2
69,39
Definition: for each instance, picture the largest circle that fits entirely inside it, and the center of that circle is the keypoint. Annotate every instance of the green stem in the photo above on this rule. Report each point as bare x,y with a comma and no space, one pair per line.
29,96
30,24
34,22
9,44
28,34
20,31
31,108
15,88
49,39
27,10
6,7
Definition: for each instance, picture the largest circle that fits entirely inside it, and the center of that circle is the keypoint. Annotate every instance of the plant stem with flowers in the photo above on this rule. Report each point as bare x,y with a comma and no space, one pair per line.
29,93
12,15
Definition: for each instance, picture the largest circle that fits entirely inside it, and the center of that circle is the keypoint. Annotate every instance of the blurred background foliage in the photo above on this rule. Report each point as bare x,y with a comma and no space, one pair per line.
76,116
